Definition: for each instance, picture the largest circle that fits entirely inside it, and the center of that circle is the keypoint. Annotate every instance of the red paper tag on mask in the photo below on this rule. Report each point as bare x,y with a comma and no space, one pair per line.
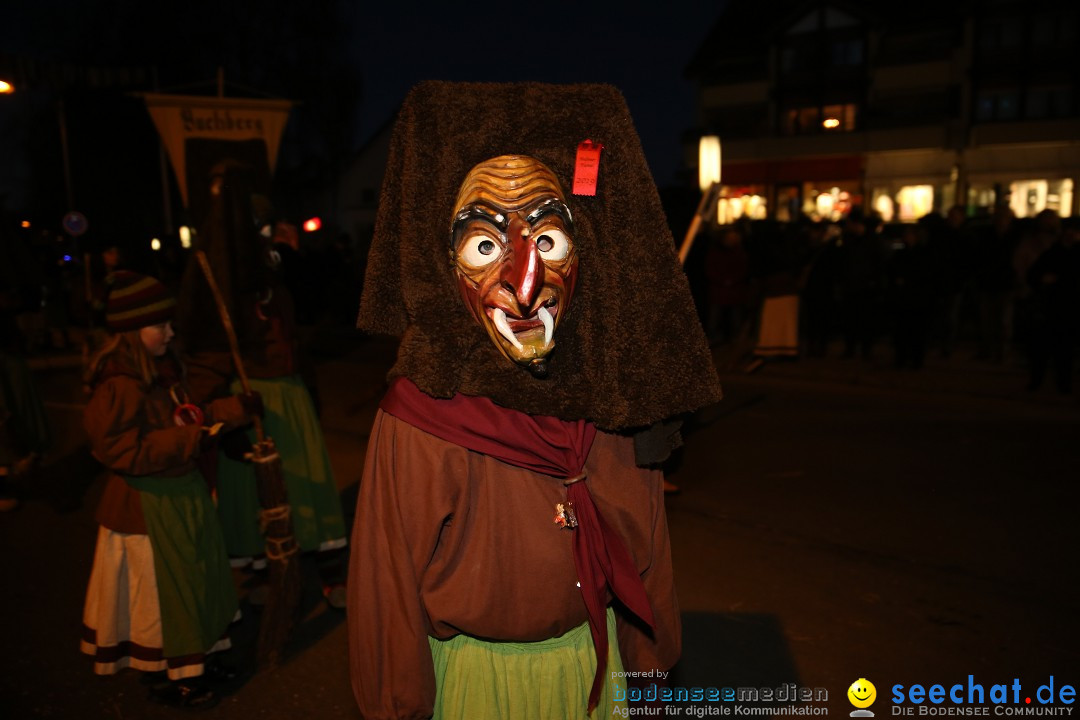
587,168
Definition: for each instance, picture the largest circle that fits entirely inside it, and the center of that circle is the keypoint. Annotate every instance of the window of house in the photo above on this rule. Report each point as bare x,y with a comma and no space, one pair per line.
1008,106
998,104
1048,102
838,118
1042,31
813,120
847,52
1000,35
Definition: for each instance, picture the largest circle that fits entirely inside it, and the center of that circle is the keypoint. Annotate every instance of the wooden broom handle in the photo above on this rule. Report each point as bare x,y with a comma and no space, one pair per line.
234,346
705,205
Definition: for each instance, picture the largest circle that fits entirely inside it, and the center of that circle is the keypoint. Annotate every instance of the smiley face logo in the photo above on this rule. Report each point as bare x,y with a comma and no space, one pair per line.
862,693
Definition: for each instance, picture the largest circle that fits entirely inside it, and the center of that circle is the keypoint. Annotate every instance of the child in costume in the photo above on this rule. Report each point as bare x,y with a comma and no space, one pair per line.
511,555
161,594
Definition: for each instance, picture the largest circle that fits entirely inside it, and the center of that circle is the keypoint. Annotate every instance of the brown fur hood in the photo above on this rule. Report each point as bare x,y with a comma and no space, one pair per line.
630,351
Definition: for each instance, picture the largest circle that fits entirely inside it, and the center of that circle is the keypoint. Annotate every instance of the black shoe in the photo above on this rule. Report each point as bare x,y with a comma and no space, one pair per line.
218,672
191,694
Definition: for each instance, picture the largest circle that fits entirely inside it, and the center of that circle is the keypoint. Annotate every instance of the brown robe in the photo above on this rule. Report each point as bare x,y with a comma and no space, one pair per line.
132,432
450,541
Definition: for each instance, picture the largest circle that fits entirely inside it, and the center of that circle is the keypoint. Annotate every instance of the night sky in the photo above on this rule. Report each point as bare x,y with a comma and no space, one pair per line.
382,49
640,51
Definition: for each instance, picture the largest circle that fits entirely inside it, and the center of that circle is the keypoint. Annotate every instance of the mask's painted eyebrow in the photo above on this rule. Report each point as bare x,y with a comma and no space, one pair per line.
476,212
482,212
552,206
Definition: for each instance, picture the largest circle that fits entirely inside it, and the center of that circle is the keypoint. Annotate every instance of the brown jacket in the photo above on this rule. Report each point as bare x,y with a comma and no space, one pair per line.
132,432
451,541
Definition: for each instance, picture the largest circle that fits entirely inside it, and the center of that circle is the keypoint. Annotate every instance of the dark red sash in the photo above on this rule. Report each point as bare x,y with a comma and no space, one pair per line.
550,446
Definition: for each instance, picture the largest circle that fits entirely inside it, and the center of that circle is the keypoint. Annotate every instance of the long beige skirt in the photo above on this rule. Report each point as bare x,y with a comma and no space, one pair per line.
122,615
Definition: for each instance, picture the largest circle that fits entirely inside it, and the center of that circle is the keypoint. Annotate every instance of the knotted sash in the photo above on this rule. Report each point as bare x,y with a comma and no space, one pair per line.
547,445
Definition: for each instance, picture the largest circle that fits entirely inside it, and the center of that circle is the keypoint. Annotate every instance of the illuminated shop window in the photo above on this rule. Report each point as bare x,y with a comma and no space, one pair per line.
787,203
883,204
1065,197
743,202
832,204
980,196
1030,197
914,202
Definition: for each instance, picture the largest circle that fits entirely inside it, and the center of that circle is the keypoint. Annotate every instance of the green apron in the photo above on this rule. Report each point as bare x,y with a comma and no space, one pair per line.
289,418
195,585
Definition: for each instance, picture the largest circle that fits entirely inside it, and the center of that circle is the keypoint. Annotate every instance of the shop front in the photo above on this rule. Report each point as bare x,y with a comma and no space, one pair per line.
820,188
906,185
1027,178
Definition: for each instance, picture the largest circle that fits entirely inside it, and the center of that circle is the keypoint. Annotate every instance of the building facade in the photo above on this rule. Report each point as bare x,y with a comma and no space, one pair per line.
902,109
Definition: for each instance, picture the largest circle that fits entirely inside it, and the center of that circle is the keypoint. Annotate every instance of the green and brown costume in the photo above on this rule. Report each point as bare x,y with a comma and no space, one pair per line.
159,539
461,586
263,315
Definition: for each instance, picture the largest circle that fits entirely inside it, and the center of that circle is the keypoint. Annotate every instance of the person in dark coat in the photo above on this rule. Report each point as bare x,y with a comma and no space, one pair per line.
910,298
1054,279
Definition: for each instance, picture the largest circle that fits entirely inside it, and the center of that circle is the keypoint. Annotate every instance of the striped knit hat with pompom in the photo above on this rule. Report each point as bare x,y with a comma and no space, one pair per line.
137,301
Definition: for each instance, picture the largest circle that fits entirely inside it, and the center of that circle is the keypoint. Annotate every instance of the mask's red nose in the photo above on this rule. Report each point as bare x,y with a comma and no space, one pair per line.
524,272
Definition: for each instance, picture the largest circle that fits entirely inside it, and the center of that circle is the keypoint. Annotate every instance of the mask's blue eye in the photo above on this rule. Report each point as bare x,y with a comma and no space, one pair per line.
478,250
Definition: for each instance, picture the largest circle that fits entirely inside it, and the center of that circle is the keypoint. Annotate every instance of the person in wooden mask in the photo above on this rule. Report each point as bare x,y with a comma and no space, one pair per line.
513,251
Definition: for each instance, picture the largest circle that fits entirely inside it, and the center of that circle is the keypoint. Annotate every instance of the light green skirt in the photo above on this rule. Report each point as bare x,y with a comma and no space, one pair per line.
547,680
289,419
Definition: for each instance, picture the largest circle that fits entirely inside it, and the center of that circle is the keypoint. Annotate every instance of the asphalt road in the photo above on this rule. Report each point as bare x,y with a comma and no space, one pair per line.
837,521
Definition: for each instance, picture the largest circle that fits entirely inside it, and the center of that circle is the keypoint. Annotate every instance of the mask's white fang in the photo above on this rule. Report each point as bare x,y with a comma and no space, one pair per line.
501,325
549,324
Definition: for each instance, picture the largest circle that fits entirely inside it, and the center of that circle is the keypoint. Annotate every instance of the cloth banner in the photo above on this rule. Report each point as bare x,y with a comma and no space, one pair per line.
183,118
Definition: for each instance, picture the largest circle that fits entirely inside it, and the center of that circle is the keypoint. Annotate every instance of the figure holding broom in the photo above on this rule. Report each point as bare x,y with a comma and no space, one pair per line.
261,311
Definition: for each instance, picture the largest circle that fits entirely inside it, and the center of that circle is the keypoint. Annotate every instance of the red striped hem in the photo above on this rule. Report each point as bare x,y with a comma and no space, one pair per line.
109,654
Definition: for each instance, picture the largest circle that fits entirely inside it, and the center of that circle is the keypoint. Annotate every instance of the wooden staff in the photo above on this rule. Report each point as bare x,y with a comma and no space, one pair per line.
274,518
705,206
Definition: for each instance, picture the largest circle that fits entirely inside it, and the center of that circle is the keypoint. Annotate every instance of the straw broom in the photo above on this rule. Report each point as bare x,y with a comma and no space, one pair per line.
282,552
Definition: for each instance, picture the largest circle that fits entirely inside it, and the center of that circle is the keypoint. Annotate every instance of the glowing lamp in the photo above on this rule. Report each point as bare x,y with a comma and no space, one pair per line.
185,236
708,161
6,88
25,223
312,224
155,244
831,123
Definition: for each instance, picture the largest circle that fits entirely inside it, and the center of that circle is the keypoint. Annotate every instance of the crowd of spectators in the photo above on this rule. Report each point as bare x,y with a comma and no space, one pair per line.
1007,288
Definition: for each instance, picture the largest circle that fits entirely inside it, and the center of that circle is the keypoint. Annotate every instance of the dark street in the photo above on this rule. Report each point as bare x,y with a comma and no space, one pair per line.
864,216
837,520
